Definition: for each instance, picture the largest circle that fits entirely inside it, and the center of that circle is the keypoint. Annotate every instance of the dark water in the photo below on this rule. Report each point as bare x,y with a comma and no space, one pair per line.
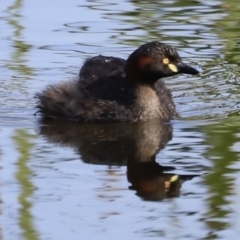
120,181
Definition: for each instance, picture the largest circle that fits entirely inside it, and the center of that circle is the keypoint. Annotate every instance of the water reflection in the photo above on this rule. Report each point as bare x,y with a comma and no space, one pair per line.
222,179
205,32
18,62
134,145
228,29
23,175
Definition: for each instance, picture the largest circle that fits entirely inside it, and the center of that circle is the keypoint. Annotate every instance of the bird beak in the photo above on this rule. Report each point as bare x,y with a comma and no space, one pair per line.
184,68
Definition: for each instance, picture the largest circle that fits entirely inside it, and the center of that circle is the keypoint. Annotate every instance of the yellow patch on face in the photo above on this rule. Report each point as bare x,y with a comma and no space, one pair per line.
165,61
173,67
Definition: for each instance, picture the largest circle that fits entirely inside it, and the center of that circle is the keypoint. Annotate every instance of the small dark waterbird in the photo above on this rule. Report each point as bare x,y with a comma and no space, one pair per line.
114,89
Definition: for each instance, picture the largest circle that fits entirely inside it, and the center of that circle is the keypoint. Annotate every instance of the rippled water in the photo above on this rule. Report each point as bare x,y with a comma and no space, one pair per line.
113,181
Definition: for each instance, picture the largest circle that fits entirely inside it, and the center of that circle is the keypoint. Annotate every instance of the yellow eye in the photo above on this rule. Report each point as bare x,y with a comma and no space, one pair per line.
170,65
165,61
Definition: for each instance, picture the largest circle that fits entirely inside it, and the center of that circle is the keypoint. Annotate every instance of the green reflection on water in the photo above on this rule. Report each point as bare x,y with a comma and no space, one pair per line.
23,175
18,62
150,18
220,181
228,28
222,137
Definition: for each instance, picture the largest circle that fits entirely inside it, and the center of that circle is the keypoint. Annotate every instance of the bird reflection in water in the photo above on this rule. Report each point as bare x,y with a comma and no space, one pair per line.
117,144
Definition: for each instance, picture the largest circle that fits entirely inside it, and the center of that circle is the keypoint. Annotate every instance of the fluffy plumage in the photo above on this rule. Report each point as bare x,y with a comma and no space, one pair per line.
113,89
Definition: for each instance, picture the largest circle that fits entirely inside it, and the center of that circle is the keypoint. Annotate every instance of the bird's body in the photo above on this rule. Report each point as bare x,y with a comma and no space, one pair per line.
114,89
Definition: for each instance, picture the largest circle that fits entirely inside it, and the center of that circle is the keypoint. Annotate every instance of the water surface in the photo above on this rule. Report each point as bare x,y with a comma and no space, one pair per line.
111,181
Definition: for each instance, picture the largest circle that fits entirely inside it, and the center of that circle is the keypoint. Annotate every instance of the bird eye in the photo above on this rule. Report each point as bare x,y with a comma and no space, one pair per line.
165,61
